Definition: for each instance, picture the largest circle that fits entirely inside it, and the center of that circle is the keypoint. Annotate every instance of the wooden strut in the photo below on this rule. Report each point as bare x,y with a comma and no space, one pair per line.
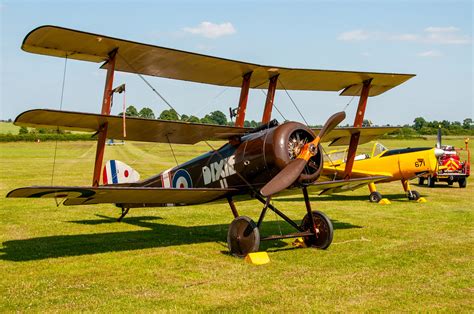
99,155
244,95
359,118
267,112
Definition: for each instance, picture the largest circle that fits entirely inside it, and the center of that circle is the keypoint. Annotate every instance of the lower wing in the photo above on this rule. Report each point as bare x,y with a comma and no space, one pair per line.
338,186
124,196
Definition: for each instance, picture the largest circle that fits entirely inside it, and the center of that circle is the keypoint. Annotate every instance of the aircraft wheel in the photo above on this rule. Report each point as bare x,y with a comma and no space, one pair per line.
324,230
375,197
413,195
462,182
243,236
421,181
431,181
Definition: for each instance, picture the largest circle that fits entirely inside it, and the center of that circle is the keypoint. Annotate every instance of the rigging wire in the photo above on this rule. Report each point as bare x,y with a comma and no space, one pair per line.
57,127
172,151
294,104
149,85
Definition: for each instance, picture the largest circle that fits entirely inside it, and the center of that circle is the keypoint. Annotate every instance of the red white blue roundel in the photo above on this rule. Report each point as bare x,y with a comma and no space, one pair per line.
182,179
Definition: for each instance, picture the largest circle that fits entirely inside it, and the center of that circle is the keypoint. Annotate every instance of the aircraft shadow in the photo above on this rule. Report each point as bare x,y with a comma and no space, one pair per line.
341,197
156,235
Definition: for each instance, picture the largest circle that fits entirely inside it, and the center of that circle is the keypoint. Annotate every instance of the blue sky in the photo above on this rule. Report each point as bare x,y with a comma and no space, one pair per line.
432,39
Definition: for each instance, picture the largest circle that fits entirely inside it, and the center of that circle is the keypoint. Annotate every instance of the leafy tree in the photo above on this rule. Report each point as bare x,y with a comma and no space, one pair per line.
23,130
218,117
419,123
184,117
467,123
146,113
193,119
207,120
169,114
131,111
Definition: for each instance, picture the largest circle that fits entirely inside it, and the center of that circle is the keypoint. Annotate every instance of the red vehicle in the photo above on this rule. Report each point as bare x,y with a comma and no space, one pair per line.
450,166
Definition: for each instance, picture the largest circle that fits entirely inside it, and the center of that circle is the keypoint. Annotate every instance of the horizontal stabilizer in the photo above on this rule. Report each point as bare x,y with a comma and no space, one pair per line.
82,195
169,63
338,186
137,129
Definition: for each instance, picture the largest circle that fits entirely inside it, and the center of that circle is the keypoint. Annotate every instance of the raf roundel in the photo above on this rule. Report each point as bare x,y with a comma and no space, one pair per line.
182,180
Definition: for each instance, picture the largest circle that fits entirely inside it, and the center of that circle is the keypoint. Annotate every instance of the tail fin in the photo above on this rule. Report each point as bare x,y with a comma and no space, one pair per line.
116,171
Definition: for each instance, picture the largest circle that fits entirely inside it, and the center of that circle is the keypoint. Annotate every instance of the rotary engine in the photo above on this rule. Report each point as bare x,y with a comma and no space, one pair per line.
263,154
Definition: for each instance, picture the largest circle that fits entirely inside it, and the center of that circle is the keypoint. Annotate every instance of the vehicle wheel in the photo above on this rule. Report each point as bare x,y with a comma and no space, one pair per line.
324,230
413,195
421,181
450,182
375,197
462,182
243,236
431,181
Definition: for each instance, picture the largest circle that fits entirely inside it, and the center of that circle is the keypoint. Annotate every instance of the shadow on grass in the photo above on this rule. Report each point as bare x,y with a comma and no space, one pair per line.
157,235
341,197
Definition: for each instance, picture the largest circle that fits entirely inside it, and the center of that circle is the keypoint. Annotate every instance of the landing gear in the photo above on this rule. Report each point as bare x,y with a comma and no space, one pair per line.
421,181
324,230
124,213
413,195
431,181
375,197
243,236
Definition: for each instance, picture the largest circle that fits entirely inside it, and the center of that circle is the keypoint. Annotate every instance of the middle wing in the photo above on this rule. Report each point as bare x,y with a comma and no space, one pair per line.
82,195
137,129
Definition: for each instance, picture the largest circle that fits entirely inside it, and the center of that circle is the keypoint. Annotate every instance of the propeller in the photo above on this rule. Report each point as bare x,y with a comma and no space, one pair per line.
292,171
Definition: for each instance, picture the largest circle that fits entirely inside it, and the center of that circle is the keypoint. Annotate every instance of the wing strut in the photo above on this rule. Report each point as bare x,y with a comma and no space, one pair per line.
99,155
244,95
267,112
359,118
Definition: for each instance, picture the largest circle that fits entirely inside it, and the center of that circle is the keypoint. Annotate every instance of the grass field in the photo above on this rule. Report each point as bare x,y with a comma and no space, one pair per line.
401,257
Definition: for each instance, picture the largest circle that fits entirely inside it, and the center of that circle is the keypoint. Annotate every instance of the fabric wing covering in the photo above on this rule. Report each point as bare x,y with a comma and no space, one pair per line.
82,195
169,63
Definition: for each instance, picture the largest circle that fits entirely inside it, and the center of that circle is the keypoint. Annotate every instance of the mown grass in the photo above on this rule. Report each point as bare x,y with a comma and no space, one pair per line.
401,257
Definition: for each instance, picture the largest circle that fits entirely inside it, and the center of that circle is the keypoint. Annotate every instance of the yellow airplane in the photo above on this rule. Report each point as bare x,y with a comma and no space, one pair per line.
397,164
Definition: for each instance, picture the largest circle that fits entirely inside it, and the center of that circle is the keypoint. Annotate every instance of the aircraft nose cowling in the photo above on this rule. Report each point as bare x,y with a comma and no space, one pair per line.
433,160
284,145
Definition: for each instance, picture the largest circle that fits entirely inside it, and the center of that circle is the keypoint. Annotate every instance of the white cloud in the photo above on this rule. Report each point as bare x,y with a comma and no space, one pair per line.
211,30
355,35
430,53
449,35
446,35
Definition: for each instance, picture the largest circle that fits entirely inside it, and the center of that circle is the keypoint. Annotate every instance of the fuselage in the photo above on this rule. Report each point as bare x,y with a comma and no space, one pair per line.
398,164
246,162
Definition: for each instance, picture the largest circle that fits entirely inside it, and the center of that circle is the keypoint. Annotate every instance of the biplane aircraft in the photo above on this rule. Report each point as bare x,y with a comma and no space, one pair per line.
258,162
396,164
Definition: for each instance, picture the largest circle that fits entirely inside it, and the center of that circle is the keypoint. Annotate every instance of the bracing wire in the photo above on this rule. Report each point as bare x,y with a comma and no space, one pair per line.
57,130
293,102
149,85
172,151
276,108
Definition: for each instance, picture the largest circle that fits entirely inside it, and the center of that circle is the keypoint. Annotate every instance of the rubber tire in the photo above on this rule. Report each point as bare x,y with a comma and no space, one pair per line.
431,182
421,181
312,241
375,197
254,235
462,183
414,195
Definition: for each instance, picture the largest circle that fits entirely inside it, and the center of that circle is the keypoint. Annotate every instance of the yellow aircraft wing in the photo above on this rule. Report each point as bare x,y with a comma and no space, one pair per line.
164,62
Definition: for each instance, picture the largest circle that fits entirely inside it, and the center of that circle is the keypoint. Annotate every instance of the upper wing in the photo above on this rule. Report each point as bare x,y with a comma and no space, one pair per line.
158,61
82,195
342,136
337,186
137,129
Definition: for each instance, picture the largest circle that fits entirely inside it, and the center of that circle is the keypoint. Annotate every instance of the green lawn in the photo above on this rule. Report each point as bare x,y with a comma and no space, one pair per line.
8,127
405,256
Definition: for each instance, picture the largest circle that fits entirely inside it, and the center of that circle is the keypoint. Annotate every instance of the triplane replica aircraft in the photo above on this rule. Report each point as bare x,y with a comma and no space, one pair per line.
257,162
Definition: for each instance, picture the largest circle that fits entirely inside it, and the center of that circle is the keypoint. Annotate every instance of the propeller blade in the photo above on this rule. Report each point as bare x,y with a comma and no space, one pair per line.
284,178
292,171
